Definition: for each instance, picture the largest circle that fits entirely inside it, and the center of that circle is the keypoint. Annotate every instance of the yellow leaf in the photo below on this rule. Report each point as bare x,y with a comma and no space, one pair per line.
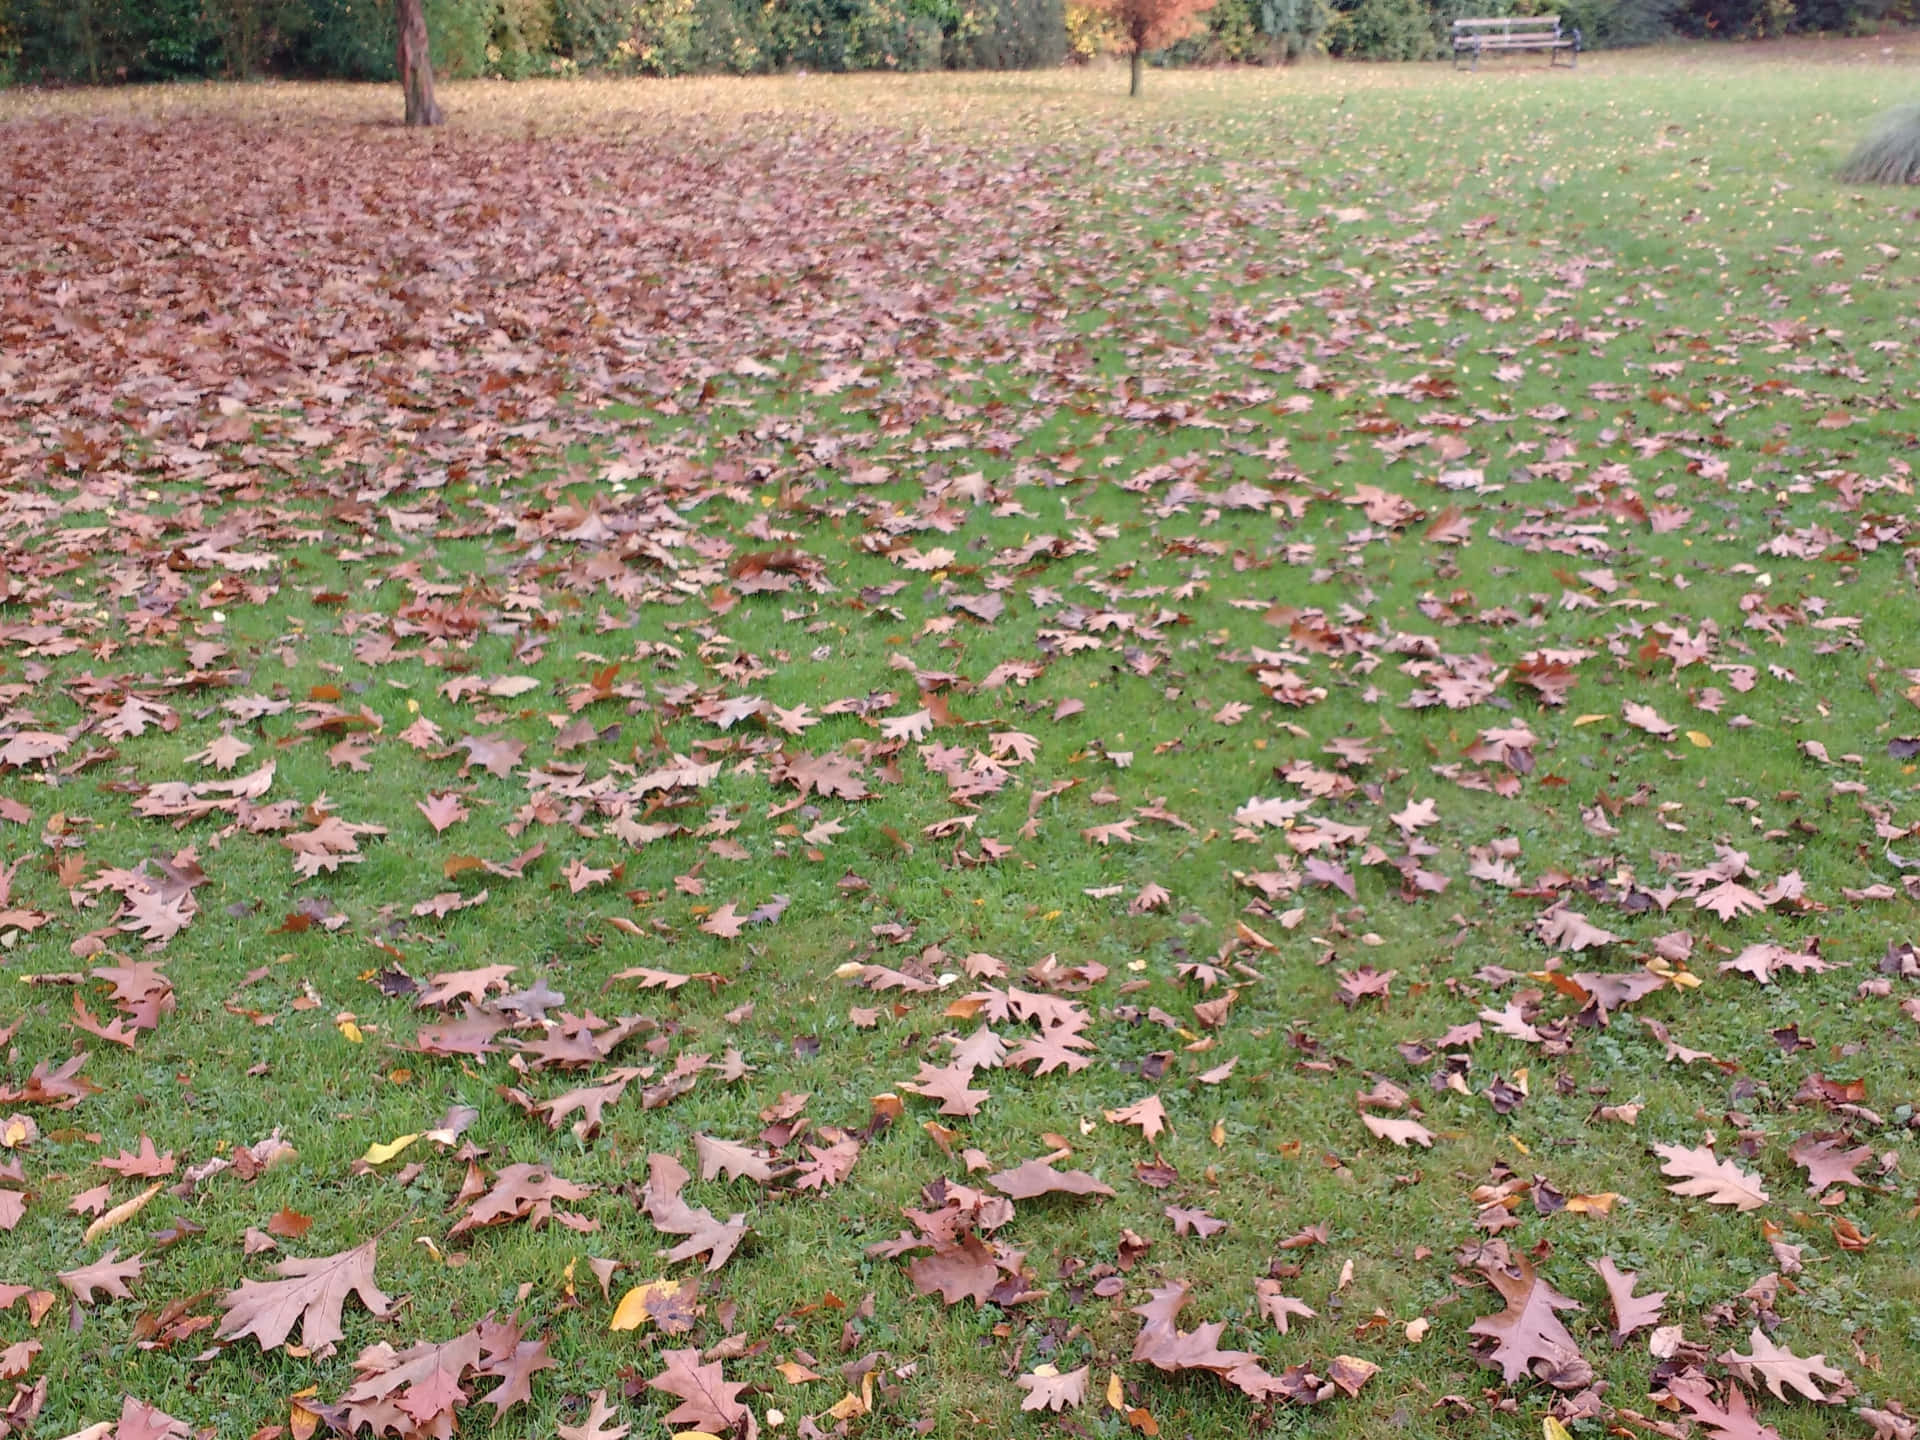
696,1435
1116,1398
1601,1204
795,1373
302,1422
1552,1429
1590,720
1515,1141
1701,739
631,1313
847,1406
352,1032
122,1212
380,1154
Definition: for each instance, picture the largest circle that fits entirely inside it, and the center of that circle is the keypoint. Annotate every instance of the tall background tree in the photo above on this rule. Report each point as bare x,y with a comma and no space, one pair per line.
1149,25
416,64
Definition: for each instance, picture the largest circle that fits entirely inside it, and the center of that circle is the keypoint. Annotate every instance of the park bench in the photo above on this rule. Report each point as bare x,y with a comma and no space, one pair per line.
1514,32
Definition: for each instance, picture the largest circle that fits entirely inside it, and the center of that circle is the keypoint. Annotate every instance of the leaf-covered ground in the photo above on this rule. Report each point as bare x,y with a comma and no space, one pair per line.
948,756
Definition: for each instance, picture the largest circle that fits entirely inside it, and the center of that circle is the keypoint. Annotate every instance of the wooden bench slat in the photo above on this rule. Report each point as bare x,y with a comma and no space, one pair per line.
1477,35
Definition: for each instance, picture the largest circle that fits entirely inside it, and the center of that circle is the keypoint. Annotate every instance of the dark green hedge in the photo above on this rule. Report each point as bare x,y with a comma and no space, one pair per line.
100,41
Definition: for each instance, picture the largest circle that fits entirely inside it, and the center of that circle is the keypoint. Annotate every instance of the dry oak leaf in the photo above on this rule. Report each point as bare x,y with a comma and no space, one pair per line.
1051,1049
1279,1308
651,979
422,1382
519,1192
310,1295
599,1424
1194,1221
1149,1114
513,1362
828,1166
1779,1368
708,1400
1048,1389
965,1271
1645,717
1729,900
1350,1372
474,985
141,1421
1733,1421
1399,1131
443,811
1527,1330
1163,1344
672,1215
1630,1311
724,1157
1765,960
1563,929
1609,991
1889,1424
1828,1162
948,1084
1702,1173
107,1274
726,922
1037,1177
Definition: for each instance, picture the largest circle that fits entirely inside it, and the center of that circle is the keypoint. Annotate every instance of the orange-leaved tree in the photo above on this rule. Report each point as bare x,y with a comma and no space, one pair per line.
1149,24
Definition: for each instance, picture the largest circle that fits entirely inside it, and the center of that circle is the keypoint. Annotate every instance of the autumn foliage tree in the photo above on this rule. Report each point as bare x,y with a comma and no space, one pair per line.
1148,25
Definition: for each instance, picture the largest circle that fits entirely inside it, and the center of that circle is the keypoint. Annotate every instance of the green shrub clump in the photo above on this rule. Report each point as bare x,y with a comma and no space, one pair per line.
102,41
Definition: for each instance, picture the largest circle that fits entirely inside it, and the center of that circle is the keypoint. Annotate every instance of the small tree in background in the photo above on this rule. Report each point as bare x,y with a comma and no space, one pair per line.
1891,154
416,64
1148,25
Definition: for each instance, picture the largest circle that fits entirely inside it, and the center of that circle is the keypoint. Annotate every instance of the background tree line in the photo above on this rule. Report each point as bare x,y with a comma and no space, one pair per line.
99,41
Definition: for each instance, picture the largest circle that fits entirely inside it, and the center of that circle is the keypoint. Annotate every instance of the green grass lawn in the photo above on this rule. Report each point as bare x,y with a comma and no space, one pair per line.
1207,587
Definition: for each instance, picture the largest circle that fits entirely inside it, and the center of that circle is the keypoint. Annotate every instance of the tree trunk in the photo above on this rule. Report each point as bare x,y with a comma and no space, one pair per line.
416,64
1134,88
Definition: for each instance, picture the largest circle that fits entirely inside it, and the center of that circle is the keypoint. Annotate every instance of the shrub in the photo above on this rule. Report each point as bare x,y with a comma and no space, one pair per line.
1229,33
345,39
1607,24
729,37
1090,31
1891,154
1296,27
461,31
888,35
1384,30
1004,34
645,37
